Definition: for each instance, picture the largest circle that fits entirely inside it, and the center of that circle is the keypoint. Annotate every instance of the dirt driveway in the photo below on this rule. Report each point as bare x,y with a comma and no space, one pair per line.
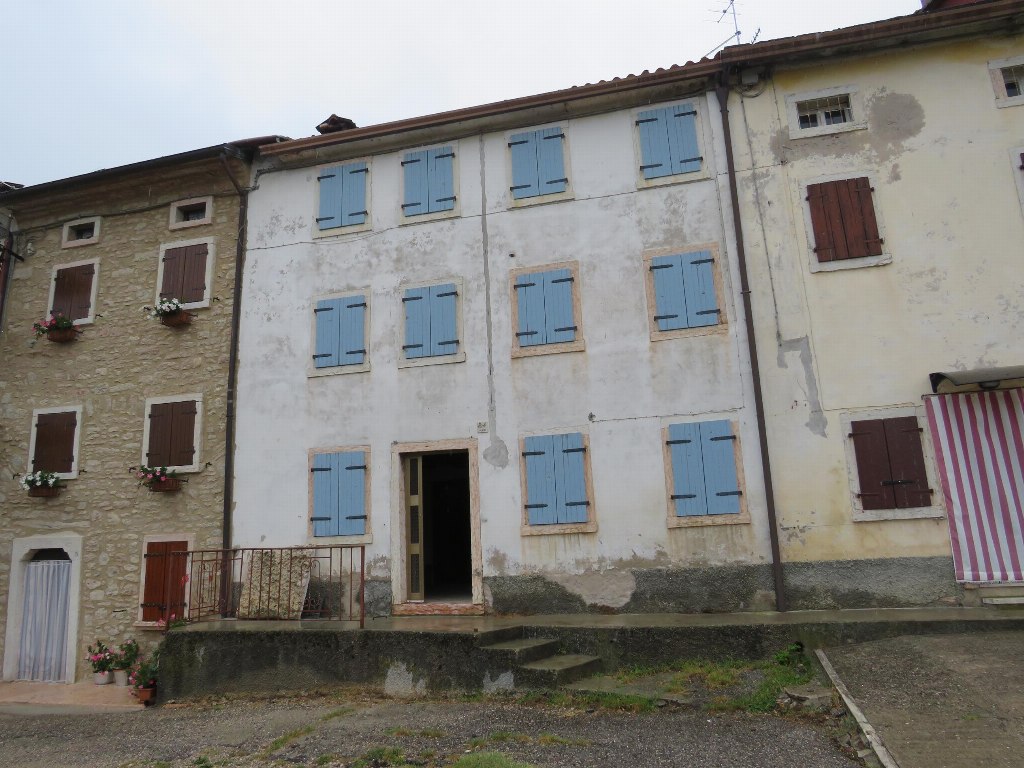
369,730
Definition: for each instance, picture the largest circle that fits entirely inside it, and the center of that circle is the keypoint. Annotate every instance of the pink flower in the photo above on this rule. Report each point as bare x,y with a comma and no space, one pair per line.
149,477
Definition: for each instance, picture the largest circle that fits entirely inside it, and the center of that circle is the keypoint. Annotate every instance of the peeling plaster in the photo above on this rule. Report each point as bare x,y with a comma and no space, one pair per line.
400,682
613,588
503,682
816,422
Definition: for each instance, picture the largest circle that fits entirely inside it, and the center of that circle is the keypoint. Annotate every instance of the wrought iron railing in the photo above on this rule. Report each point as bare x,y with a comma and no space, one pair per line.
283,583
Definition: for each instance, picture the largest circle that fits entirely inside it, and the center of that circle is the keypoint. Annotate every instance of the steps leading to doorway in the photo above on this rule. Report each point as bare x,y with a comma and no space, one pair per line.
995,595
536,661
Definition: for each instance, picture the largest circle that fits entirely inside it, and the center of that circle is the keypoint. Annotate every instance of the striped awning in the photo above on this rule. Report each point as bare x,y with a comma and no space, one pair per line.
980,452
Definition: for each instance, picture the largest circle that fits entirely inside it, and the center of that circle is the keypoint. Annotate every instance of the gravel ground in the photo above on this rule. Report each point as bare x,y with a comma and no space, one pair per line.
338,728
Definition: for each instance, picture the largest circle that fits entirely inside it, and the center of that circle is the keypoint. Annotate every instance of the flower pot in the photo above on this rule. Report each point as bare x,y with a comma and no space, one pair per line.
62,335
121,677
168,485
145,695
44,491
177,320
103,678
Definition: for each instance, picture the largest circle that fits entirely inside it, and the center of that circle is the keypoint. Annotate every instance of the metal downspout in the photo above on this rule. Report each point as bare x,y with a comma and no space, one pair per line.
722,92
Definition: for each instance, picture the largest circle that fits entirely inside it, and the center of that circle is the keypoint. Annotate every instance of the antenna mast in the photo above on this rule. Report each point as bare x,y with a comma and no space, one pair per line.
730,10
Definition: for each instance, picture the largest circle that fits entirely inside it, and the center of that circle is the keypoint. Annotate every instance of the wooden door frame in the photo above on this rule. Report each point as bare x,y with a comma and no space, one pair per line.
399,566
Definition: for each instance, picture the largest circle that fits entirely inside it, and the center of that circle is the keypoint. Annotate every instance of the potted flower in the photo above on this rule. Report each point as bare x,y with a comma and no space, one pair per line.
158,479
144,676
41,484
171,313
125,659
57,327
102,660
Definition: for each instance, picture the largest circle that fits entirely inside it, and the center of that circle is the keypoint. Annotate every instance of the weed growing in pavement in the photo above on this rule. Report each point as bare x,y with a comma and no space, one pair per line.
553,738
340,712
380,756
327,759
202,762
488,760
287,738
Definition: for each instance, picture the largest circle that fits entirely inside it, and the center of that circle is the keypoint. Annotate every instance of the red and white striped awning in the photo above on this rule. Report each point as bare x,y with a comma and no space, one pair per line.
980,452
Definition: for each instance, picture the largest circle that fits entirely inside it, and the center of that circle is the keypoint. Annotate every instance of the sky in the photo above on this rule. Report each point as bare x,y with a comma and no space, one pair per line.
98,84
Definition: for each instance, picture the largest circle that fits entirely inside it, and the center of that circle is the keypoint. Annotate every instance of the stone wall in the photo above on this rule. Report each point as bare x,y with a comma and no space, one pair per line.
117,362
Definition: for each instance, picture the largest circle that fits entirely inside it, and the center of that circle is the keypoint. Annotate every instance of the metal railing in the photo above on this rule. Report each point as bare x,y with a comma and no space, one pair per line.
281,583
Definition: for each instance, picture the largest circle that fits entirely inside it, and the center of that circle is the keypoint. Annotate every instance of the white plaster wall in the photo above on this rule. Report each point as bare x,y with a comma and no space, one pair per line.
621,391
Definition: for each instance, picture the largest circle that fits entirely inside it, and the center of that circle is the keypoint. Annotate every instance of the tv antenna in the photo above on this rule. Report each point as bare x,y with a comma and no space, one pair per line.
729,12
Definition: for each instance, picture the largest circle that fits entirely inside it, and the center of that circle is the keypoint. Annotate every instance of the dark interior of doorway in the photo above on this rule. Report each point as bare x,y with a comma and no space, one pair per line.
447,563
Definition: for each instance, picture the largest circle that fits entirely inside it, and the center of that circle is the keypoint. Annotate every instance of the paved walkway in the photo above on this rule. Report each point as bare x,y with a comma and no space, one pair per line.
58,698
941,701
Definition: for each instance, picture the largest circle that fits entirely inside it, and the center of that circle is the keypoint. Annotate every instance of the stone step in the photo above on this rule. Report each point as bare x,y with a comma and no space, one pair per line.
524,649
492,636
556,670
1004,602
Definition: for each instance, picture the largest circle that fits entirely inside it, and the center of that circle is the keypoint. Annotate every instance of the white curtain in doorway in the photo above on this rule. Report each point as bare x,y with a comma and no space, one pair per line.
44,627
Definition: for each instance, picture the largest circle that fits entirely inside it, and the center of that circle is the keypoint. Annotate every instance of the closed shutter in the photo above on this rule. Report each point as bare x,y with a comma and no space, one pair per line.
193,278
539,461
570,479
352,477
876,492
63,293
353,194
163,590
655,161
160,423
80,281
173,283
559,326
523,147
681,122
441,181
417,323
352,337
865,229
688,489
720,482
843,220
699,285
669,293
328,333
550,163
529,290
55,442
416,170
826,222
444,337
906,462
330,180
326,504
183,430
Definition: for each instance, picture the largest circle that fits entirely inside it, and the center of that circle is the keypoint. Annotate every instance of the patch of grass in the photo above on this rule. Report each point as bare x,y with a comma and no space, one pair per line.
432,733
379,756
398,732
629,674
427,754
499,737
788,667
202,762
287,738
554,738
327,759
488,760
340,712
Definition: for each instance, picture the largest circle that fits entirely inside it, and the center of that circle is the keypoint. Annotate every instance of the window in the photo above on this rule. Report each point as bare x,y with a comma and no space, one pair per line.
682,295
546,310
842,223
702,458
669,144
890,463
53,445
557,493
343,196
191,213
81,232
73,291
432,323
171,433
827,111
340,328
185,271
538,164
340,483
164,570
1008,81
429,181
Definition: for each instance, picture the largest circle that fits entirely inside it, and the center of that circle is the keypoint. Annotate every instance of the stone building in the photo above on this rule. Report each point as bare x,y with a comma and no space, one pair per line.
95,561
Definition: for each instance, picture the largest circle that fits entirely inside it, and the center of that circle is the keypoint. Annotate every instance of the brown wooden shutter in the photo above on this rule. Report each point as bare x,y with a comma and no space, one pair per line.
906,462
163,591
861,225
826,222
843,219
63,292
81,290
876,492
174,273
55,442
194,274
177,559
159,449
183,428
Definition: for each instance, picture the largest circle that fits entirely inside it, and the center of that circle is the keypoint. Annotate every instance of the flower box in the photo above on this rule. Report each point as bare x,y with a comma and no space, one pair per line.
166,485
62,335
44,491
177,319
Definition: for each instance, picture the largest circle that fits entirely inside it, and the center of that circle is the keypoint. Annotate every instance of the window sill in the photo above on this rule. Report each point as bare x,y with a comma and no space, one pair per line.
340,231
150,626
1013,101
718,329
826,130
422,218
914,513
80,243
838,266
337,370
550,530
676,178
554,197
419,362
328,541
550,349
703,521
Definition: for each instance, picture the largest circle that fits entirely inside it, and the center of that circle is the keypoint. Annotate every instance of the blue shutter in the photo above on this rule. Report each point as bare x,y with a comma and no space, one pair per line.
416,183
353,194
688,491
417,323
550,164
441,183
723,492
682,138
529,290
328,341
444,337
559,325
353,330
523,147
699,281
669,293
351,474
654,154
325,495
539,460
330,180
571,480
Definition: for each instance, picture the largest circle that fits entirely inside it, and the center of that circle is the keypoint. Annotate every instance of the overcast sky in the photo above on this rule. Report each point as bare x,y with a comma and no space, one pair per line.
98,84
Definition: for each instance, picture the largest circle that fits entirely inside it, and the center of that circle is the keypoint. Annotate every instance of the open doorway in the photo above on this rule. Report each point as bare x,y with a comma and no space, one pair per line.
438,528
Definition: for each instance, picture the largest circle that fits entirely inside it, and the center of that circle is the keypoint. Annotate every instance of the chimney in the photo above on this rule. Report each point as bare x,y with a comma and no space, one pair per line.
333,124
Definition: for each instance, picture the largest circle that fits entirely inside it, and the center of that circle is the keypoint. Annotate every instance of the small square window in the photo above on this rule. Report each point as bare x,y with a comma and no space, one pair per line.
191,213
1008,81
1013,80
831,110
81,232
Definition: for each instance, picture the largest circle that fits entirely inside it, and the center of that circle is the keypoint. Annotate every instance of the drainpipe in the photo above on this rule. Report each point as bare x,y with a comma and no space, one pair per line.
722,91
